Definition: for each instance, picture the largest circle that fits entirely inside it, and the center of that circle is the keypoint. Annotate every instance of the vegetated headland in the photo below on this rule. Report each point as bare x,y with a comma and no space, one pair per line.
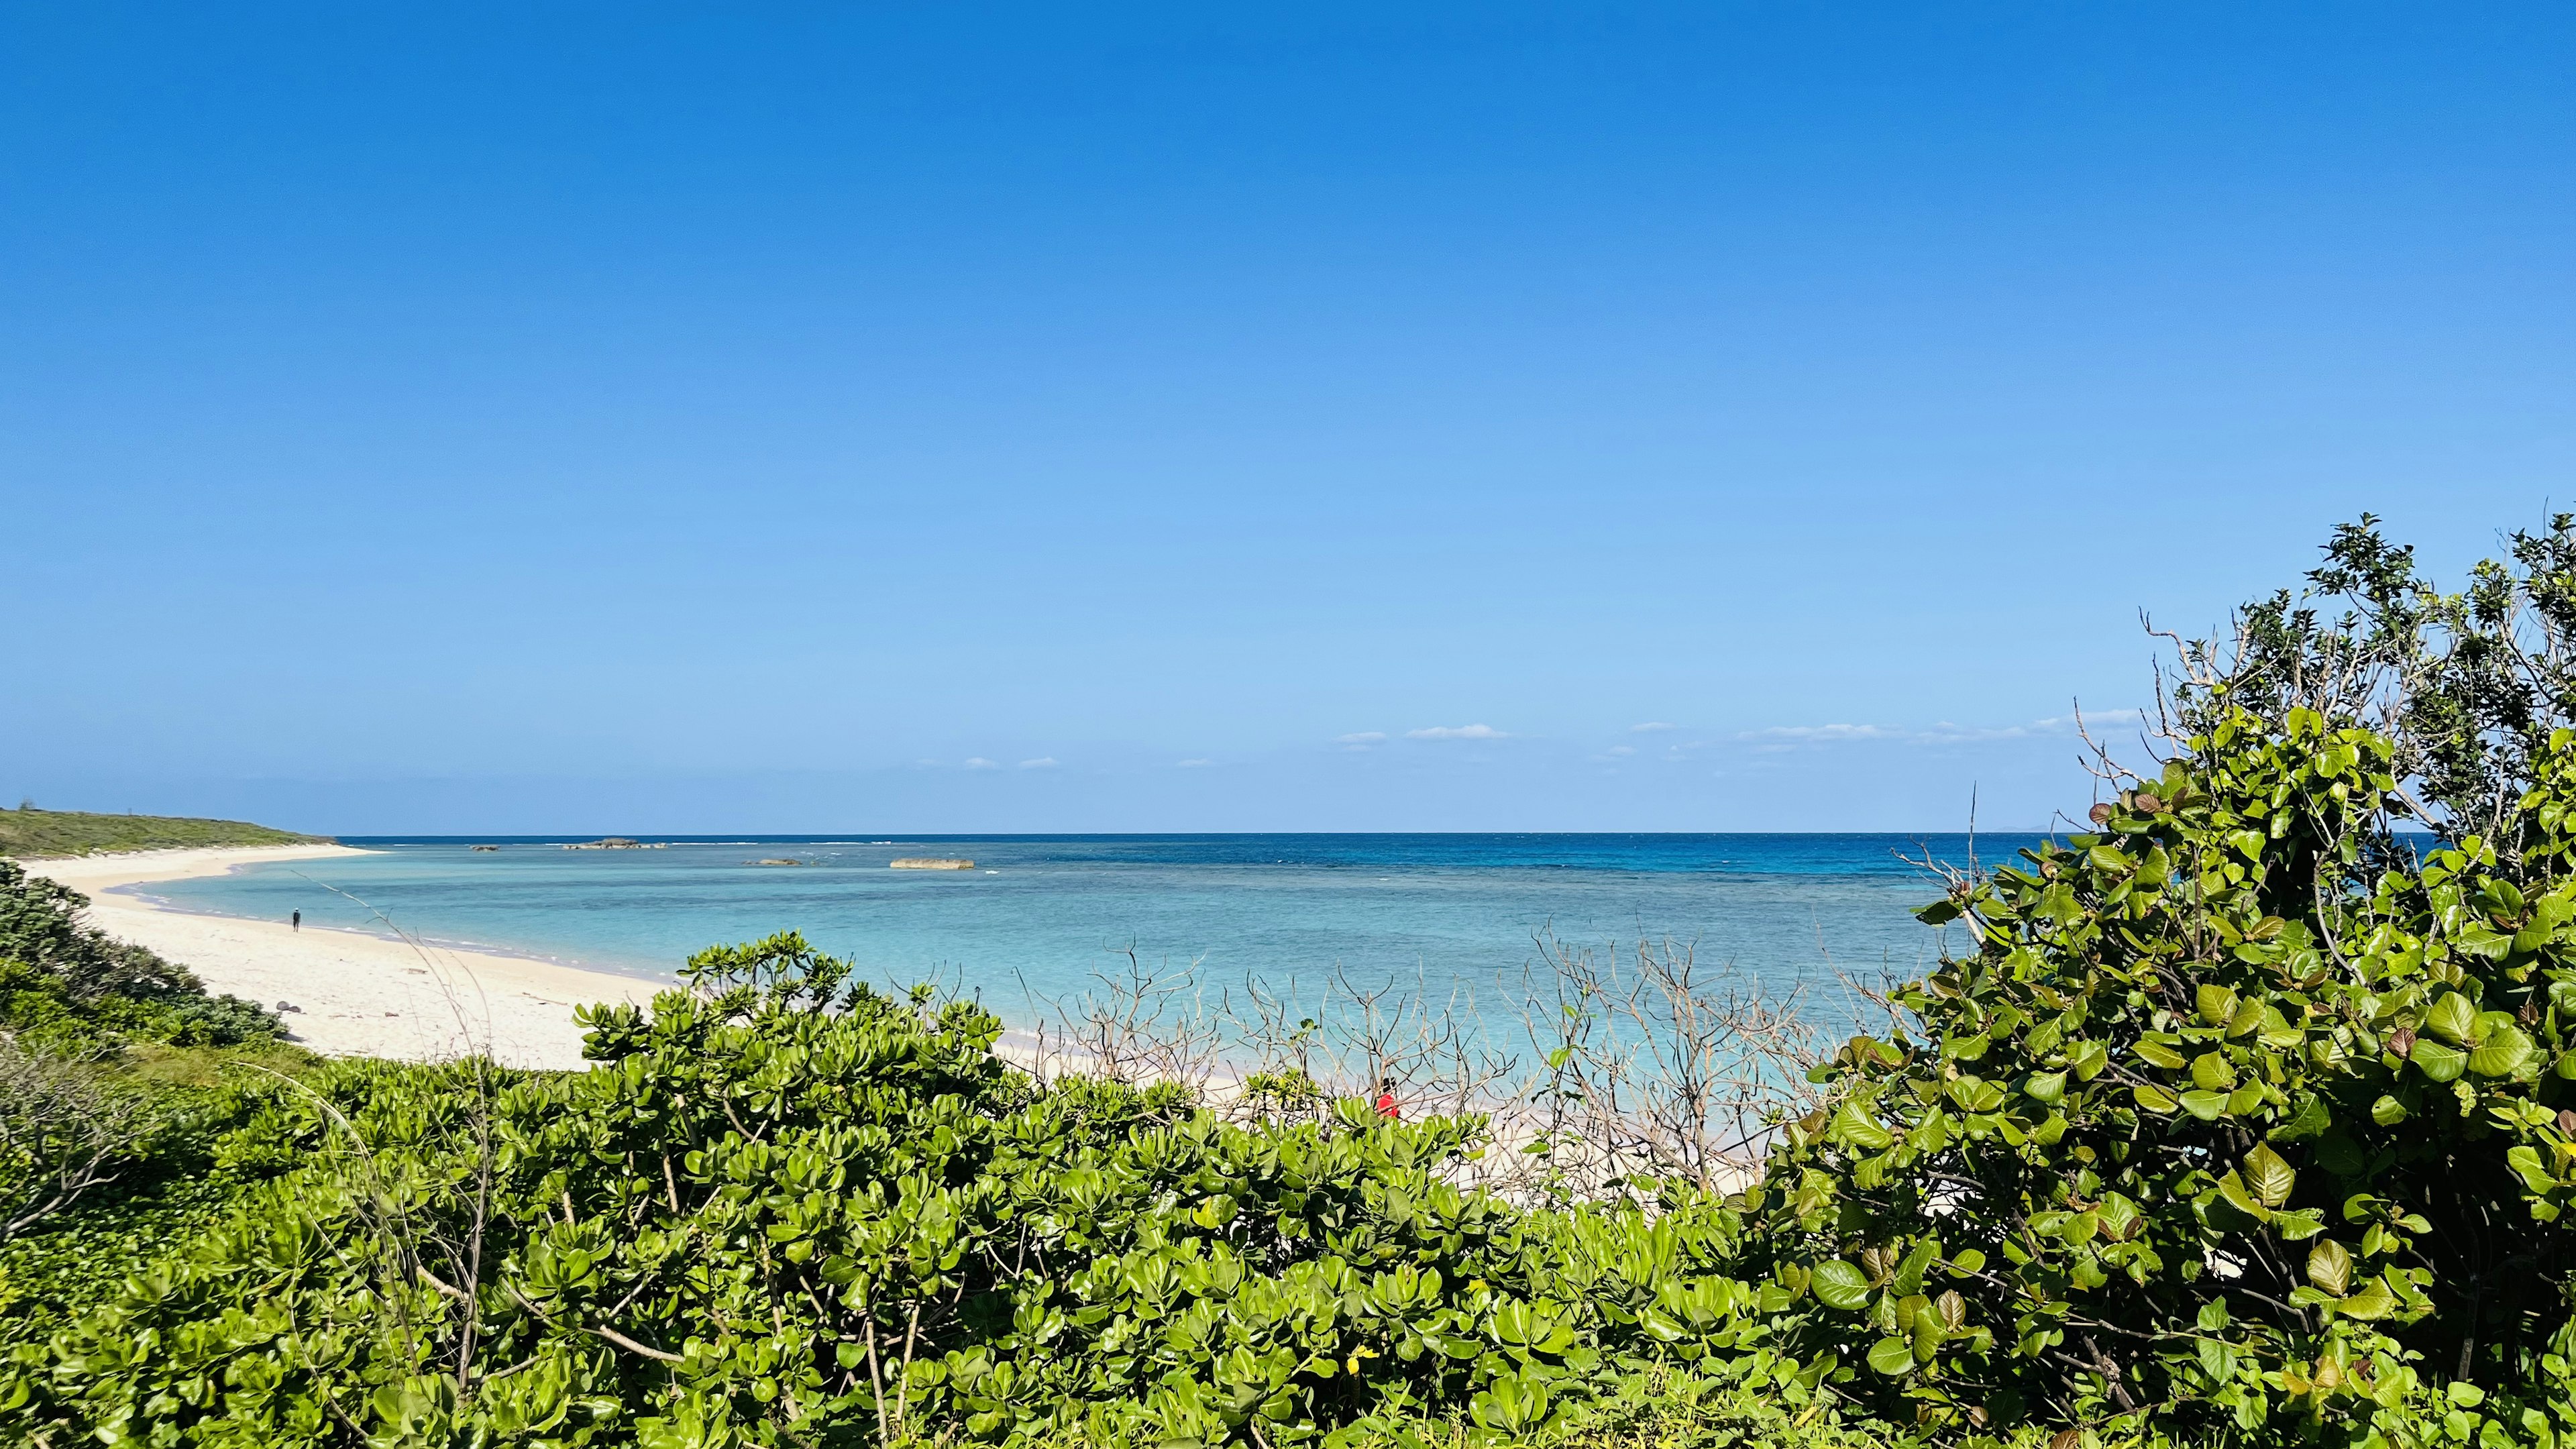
30,833
2249,1117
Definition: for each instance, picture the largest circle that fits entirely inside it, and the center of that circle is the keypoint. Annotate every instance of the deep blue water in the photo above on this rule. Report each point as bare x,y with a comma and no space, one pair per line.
1040,914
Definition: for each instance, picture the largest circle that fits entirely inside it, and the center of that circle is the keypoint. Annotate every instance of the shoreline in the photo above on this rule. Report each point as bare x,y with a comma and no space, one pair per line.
357,993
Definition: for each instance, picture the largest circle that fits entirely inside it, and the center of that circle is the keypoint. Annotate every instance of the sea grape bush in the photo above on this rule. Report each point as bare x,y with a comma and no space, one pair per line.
784,1209
2179,1130
2248,1113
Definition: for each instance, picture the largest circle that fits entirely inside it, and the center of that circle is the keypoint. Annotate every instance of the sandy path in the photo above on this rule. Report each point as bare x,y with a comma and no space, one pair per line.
360,995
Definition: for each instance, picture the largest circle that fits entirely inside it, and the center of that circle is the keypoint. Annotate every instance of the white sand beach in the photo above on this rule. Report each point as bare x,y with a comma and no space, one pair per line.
358,994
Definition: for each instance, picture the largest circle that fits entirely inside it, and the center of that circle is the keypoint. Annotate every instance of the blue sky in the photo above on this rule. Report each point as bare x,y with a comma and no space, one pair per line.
634,417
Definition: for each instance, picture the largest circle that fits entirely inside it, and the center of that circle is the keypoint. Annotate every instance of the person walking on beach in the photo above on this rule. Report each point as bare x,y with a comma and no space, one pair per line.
295,920
1386,1104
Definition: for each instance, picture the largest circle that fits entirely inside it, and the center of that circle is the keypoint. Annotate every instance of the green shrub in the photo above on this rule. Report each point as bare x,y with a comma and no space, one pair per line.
2248,1110
66,980
777,1195
167,1186
1721,1404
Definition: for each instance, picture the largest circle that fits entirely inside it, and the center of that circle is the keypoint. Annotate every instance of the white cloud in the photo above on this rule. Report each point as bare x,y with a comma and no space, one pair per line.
1457,732
1823,732
1043,762
1195,764
1364,737
1781,737
980,763
1650,726
1623,749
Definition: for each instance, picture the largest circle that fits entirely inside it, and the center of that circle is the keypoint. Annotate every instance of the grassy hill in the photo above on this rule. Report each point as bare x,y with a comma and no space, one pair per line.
31,832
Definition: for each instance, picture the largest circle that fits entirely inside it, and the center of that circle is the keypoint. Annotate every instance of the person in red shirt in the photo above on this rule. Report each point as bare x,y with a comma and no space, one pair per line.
1386,1106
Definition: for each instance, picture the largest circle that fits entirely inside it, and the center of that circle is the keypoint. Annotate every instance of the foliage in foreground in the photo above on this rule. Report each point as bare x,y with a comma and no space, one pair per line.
65,982
28,832
786,1210
2249,1112
111,1087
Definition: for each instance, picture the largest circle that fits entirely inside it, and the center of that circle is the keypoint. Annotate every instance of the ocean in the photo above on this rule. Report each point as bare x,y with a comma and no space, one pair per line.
1040,916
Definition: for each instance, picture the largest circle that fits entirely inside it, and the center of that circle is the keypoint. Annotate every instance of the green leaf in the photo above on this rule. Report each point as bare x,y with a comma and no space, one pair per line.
2299,1224
2044,1037
1893,1357
2211,1071
1976,1094
2232,1188
2217,1003
2483,941
2373,1302
2451,1017
2505,1052
2308,1118
1908,1278
2269,1175
2525,1160
2158,1054
2387,1111
2207,1106
2118,1215
1854,1127
2152,1098
2247,1017
2330,1266
1839,1284
2048,1087
2439,1062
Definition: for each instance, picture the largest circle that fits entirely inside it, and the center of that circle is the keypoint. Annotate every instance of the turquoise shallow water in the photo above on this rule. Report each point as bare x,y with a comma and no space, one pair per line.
1040,914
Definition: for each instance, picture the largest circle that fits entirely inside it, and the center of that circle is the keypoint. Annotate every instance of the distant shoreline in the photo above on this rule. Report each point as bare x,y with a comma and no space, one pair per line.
358,994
